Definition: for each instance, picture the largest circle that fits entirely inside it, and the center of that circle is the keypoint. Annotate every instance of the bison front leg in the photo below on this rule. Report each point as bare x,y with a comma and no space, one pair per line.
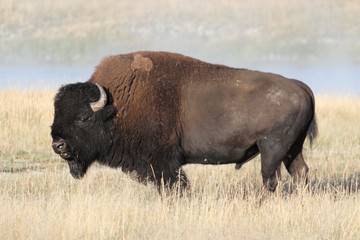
170,180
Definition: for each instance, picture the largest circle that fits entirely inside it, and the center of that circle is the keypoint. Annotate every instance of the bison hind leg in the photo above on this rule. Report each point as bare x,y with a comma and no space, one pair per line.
272,151
295,163
298,169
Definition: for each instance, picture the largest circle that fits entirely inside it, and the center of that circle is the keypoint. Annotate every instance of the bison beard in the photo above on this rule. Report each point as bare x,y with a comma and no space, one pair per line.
76,169
152,112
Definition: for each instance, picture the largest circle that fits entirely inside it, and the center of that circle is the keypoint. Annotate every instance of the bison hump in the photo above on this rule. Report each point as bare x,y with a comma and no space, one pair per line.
141,63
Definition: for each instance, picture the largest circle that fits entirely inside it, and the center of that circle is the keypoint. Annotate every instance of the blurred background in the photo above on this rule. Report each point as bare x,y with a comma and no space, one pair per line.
44,43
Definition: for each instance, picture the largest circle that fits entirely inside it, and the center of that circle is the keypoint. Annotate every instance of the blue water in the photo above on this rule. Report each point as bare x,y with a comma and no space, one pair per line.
42,77
334,80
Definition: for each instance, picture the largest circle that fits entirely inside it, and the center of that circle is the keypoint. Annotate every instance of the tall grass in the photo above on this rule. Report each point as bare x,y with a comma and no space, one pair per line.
108,205
25,121
252,30
47,203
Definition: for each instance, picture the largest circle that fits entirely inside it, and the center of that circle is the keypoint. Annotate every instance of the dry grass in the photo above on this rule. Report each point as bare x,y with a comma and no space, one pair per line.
223,204
25,121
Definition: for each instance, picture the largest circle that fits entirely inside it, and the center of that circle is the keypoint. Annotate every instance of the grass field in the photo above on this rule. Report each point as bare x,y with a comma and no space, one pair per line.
40,200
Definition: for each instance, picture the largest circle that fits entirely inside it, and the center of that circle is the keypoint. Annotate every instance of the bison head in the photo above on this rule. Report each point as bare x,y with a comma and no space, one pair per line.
83,114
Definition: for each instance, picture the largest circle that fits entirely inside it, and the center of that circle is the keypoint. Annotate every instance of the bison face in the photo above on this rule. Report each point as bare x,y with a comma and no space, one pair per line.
83,115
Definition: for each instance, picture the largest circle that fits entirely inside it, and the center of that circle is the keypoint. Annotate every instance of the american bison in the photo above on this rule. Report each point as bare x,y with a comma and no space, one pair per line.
152,112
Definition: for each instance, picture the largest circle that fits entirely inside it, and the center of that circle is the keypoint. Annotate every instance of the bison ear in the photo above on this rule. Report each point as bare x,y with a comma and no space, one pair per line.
99,104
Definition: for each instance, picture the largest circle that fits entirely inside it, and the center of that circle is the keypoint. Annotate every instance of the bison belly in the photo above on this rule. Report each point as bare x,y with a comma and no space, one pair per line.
215,126
223,121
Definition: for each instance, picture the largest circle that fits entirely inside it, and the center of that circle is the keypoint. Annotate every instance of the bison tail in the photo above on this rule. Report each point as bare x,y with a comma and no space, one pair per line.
313,128
312,131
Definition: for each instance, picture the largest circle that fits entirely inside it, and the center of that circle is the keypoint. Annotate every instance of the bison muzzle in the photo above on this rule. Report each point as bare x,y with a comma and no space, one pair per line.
150,113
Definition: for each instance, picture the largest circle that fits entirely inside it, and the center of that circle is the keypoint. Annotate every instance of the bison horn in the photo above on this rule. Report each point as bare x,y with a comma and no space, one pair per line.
100,104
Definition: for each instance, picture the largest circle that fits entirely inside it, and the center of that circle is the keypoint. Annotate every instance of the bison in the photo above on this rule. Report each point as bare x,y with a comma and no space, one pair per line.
150,113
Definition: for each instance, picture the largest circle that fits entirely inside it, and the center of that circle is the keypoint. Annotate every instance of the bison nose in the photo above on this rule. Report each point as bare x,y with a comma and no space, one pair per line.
59,146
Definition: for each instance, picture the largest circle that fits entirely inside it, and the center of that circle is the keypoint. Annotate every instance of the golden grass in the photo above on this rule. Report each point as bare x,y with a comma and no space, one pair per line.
25,121
223,203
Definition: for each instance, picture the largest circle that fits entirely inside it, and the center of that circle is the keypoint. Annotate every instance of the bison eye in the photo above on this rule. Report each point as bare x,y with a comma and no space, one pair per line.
83,119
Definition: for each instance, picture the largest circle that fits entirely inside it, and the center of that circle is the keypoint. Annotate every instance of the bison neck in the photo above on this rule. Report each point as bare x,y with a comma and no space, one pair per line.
119,156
